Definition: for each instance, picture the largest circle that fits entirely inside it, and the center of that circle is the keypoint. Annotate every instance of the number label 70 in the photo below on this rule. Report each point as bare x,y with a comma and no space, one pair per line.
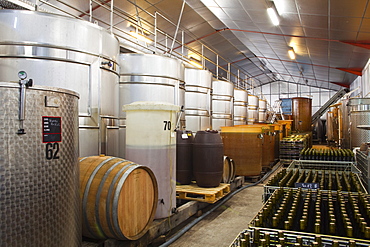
167,125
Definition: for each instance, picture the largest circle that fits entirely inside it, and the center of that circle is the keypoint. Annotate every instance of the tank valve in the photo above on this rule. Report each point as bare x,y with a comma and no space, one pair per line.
22,99
174,210
179,118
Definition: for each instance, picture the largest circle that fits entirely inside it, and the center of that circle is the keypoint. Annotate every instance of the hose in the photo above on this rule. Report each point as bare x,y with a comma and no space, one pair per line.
194,222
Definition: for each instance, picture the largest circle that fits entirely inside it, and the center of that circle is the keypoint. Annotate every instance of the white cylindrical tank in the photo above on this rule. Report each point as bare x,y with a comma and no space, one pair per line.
39,173
71,54
253,102
151,141
262,108
359,114
240,106
222,104
149,77
198,85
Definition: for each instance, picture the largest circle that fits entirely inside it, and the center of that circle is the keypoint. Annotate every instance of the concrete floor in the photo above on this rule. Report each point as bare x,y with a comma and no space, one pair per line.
223,225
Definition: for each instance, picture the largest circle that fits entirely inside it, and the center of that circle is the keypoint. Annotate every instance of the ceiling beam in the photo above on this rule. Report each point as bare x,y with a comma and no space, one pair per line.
362,44
355,71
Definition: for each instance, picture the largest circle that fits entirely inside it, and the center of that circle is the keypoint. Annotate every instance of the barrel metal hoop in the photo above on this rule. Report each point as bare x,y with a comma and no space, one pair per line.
84,158
110,191
116,195
86,193
100,189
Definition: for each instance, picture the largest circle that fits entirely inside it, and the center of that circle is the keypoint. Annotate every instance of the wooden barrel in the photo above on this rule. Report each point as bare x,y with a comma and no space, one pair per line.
228,174
208,156
227,170
233,170
119,198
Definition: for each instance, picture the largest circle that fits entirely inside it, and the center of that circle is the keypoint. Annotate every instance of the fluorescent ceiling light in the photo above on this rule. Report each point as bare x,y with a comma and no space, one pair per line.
273,16
140,37
291,54
280,6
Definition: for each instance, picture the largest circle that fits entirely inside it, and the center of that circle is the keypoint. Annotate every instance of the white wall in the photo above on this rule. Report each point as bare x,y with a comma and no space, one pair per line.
280,89
356,84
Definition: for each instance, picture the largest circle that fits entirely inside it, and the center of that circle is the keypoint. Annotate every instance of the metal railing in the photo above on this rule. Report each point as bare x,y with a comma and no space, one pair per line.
147,25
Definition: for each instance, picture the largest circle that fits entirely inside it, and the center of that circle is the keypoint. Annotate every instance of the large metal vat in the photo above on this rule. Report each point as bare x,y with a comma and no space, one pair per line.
359,114
262,108
302,114
154,145
149,77
240,106
330,126
345,142
72,54
222,104
253,102
198,84
39,175
334,127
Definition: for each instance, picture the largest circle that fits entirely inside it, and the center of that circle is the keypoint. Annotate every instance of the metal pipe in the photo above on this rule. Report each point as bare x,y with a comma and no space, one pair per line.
111,15
61,10
238,79
145,11
182,42
228,71
22,101
217,67
91,10
155,31
177,26
203,60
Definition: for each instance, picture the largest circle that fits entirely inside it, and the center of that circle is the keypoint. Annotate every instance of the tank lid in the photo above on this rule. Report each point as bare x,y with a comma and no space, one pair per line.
150,106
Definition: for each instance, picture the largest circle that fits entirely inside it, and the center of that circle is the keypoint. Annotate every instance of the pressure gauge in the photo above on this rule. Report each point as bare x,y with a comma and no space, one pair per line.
22,75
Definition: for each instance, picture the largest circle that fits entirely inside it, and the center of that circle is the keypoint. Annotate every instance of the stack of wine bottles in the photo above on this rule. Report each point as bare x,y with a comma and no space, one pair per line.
291,215
327,154
291,147
264,238
327,180
330,213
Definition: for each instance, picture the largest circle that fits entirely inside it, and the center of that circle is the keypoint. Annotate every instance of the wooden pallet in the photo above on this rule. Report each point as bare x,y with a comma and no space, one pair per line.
196,193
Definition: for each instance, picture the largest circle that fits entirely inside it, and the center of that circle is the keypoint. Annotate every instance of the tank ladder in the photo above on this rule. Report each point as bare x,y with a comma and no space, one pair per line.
276,110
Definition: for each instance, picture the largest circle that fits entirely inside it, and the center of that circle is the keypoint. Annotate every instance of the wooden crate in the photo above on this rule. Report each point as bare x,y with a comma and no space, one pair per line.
196,193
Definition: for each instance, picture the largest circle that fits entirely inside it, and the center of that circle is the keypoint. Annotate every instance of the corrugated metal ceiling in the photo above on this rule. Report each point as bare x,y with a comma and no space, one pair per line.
323,34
